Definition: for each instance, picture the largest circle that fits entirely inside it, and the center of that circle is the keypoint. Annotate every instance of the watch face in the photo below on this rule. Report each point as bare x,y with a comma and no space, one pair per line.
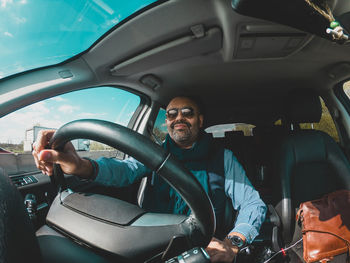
237,241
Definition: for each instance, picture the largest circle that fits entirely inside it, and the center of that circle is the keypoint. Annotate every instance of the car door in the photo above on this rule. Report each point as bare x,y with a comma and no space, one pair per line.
21,128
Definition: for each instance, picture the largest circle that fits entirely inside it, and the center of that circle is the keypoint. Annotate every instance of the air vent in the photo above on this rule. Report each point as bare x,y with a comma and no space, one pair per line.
23,180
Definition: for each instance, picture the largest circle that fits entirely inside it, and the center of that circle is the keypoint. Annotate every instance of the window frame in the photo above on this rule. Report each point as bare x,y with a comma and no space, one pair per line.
342,97
344,100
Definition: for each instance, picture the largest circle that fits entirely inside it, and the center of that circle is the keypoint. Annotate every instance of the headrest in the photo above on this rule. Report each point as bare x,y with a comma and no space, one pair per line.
262,130
232,134
269,131
303,106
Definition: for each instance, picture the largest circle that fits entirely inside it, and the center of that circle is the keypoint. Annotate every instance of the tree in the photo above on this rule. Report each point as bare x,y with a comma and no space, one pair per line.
326,123
159,133
96,146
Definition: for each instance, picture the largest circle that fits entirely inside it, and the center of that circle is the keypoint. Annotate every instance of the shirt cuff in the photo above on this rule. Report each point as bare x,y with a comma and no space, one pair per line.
103,174
246,230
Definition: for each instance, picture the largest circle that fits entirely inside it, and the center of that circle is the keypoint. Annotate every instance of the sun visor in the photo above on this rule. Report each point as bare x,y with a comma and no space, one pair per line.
294,13
200,42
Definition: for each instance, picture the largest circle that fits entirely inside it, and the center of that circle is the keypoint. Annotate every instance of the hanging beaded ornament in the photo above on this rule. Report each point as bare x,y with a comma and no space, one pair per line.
335,29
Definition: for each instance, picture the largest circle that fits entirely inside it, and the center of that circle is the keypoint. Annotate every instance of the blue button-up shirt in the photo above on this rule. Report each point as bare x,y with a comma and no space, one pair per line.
245,199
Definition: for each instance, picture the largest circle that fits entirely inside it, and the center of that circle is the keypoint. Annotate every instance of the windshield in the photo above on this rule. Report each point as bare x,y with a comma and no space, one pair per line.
42,33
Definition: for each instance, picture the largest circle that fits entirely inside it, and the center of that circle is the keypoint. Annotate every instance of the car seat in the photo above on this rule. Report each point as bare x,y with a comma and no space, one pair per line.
308,163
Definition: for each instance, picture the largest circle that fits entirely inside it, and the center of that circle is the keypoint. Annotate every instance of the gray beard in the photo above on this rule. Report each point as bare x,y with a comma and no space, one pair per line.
182,136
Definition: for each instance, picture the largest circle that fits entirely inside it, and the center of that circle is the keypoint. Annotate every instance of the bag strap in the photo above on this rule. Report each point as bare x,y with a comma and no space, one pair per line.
299,215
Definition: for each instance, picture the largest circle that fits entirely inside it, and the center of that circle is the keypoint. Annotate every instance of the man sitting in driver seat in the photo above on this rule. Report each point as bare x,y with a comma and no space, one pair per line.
217,170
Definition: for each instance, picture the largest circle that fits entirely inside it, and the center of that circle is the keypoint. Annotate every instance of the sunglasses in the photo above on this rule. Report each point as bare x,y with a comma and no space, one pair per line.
186,112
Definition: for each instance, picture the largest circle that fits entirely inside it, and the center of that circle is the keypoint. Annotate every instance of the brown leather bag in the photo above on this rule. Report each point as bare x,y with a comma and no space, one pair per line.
325,226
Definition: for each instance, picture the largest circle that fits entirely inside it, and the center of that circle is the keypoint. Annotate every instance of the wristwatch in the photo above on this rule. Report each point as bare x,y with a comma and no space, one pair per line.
236,241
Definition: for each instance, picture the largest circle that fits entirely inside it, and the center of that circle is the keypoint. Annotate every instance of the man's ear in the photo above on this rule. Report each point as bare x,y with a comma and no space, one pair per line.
201,119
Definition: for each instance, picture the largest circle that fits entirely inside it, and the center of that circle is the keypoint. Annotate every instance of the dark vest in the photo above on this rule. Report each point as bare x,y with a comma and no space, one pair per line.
156,198
216,177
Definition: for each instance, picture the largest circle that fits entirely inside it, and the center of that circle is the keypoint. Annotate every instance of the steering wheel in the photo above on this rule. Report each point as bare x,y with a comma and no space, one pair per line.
143,233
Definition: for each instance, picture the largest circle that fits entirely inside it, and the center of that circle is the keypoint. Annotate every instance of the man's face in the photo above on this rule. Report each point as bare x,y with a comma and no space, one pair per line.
183,121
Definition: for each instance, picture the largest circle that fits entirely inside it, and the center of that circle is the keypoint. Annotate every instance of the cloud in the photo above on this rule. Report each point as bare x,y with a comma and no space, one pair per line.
121,116
104,6
11,135
112,22
90,115
3,3
27,117
14,125
68,109
19,68
39,108
8,34
115,21
58,99
19,20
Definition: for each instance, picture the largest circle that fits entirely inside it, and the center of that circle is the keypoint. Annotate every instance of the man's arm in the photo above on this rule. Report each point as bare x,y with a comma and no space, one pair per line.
251,211
245,199
110,172
118,173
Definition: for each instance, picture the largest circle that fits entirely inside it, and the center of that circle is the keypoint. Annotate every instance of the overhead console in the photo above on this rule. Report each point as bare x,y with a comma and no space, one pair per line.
265,40
202,41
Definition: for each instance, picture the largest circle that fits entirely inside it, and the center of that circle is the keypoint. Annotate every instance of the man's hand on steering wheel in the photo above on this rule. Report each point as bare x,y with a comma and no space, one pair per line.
68,159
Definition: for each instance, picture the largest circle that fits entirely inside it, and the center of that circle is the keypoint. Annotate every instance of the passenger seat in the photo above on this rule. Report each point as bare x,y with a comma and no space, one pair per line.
234,141
308,163
266,140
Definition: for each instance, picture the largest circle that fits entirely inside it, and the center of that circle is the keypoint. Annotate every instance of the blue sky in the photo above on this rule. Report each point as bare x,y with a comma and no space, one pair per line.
104,103
36,33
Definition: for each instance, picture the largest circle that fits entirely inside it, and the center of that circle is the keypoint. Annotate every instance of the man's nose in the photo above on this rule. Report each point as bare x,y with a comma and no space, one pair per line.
179,116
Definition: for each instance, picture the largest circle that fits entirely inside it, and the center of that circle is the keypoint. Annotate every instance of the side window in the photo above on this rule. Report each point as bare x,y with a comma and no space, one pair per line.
159,128
278,122
326,123
247,129
346,88
20,128
219,131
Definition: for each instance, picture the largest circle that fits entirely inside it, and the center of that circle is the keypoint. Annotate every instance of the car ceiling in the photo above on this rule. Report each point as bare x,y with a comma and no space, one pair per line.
241,67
